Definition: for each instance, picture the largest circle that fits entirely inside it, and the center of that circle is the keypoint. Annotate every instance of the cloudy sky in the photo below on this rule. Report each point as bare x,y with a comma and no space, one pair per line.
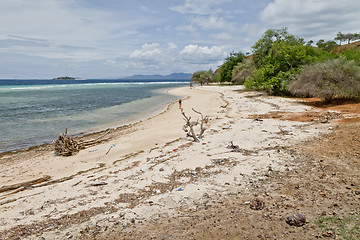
117,38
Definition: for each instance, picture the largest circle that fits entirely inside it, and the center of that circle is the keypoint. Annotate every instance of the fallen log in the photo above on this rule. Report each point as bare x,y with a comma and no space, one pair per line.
25,184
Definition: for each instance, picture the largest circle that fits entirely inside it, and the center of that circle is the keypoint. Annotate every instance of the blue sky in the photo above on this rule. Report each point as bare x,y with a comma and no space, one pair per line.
116,38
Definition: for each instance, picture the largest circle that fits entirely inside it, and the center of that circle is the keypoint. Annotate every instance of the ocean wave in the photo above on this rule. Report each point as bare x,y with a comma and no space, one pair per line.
52,86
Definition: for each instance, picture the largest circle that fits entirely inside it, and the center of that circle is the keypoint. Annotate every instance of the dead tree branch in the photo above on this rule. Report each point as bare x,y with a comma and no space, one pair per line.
189,126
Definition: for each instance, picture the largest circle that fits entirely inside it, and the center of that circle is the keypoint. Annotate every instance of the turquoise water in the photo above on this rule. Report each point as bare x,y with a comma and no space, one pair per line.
33,114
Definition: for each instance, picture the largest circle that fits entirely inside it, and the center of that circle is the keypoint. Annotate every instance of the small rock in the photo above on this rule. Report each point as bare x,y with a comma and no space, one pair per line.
324,120
257,204
161,169
328,234
144,169
297,220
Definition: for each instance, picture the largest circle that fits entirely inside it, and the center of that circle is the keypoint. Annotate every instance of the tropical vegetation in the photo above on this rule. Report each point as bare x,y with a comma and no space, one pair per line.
284,64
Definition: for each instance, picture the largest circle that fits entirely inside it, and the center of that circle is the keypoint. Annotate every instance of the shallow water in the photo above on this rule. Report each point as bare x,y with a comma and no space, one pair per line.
33,114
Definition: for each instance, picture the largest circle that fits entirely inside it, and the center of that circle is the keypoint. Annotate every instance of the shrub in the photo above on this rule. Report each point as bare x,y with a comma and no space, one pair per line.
333,78
278,56
242,71
227,67
352,54
202,77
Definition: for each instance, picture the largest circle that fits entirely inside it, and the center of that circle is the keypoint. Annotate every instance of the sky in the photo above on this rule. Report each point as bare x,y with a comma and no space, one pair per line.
118,38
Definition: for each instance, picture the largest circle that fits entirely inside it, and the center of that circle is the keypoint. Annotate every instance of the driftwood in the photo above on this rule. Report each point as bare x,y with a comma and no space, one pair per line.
67,146
189,126
24,184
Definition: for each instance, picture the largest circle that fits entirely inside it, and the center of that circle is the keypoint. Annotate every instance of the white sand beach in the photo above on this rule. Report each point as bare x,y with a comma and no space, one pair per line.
151,169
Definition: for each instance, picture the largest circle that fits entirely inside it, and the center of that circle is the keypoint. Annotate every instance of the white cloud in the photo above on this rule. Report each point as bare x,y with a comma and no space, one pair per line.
42,28
309,18
202,54
147,52
200,7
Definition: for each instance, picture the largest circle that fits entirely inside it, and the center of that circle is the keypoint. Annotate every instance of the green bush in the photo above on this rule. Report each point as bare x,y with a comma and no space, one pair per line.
227,67
333,78
279,55
352,55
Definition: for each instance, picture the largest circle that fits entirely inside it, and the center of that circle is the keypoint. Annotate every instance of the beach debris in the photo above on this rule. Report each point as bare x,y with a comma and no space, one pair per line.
234,148
189,126
25,184
179,189
67,146
110,149
284,132
296,220
257,204
225,106
96,184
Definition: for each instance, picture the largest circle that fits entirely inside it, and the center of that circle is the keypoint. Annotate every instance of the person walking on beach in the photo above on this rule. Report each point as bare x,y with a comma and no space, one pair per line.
179,103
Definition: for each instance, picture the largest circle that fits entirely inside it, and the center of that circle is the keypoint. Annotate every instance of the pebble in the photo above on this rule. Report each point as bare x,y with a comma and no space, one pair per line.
296,220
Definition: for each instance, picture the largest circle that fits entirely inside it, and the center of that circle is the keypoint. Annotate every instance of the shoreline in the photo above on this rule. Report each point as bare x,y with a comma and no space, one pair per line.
95,131
121,133
155,176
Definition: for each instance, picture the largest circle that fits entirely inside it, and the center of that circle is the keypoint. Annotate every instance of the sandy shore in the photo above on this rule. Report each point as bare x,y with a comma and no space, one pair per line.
151,169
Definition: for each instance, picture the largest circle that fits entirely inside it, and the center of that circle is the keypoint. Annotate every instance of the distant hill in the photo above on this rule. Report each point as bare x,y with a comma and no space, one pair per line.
173,76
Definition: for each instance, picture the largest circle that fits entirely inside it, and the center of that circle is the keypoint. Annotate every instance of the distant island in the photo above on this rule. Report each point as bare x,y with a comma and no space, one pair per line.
64,78
173,76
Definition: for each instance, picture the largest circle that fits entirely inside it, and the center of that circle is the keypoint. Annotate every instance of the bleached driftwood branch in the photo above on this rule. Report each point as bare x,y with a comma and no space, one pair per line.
189,126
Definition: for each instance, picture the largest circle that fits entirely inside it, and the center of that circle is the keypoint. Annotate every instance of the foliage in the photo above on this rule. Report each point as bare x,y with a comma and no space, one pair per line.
348,36
202,77
242,71
279,55
333,78
263,46
352,55
216,77
327,46
321,55
227,67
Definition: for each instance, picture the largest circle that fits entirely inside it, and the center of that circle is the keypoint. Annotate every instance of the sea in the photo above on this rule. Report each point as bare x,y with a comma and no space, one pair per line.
34,112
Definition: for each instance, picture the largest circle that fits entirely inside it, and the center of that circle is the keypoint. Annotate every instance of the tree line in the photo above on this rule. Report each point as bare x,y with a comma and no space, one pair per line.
284,64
